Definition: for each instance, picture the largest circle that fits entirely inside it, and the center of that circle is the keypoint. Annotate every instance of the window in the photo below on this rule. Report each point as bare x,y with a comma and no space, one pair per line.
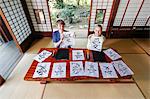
100,15
39,15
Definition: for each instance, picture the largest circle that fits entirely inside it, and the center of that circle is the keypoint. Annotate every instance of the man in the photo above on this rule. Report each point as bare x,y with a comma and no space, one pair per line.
96,38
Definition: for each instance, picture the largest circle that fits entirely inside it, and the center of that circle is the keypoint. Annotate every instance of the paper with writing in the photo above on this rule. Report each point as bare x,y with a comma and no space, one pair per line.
42,70
78,55
96,44
112,54
69,40
42,56
76,68
122,68
91,69
59,70
108,70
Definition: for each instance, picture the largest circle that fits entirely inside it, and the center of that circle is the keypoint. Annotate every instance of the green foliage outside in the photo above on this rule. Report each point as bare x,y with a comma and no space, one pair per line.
73,12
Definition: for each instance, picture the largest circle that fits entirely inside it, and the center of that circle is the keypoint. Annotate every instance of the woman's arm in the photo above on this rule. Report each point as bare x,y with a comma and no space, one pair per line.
57,39
57,44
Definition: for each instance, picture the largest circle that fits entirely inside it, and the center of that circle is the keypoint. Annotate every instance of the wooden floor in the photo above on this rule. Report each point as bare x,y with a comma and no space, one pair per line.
135,53
9,54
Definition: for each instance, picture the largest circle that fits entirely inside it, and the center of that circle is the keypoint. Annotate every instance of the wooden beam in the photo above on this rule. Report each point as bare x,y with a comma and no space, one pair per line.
110,18
50,16
113,16
3,33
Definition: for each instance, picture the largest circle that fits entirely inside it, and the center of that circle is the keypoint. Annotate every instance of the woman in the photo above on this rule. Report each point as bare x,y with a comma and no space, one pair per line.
58,35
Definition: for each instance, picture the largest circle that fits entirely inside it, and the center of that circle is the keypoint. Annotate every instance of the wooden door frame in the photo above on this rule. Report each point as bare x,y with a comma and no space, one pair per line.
3,35
10,30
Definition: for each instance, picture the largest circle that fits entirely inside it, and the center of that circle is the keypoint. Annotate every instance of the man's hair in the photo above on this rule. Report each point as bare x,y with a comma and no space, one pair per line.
60,22
100,26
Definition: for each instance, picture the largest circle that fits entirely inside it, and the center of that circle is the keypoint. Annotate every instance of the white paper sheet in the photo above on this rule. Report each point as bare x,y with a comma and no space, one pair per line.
108,70
78,55
96,44
42,56
42,70
69,40
112,54
76,68
122,68
91,69
59,70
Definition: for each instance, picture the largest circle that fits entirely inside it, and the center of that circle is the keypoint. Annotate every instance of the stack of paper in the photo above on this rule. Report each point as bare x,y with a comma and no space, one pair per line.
108,70
42,56
59,70
78,55
91,69
112,54
42,70
76,68
122,68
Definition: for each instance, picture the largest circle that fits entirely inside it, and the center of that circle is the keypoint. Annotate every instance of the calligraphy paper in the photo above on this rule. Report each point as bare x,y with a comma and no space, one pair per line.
69,40
108,70
76,68
96,44
42,56
112,54
91,69
42,70
78,55
59,70
122,68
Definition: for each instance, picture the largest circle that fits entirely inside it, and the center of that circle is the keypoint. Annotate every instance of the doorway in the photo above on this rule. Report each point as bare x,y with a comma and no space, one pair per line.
75,13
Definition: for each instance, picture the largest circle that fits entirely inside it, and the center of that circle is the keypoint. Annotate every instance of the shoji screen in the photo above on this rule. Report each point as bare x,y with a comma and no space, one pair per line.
100,4
144,14
39,4
120,12
16,18
132,13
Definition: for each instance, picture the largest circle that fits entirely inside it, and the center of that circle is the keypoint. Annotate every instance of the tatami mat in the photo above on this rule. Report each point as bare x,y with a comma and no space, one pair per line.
144,43
80,43
16,87
140,64
123,45
45,42
92,91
